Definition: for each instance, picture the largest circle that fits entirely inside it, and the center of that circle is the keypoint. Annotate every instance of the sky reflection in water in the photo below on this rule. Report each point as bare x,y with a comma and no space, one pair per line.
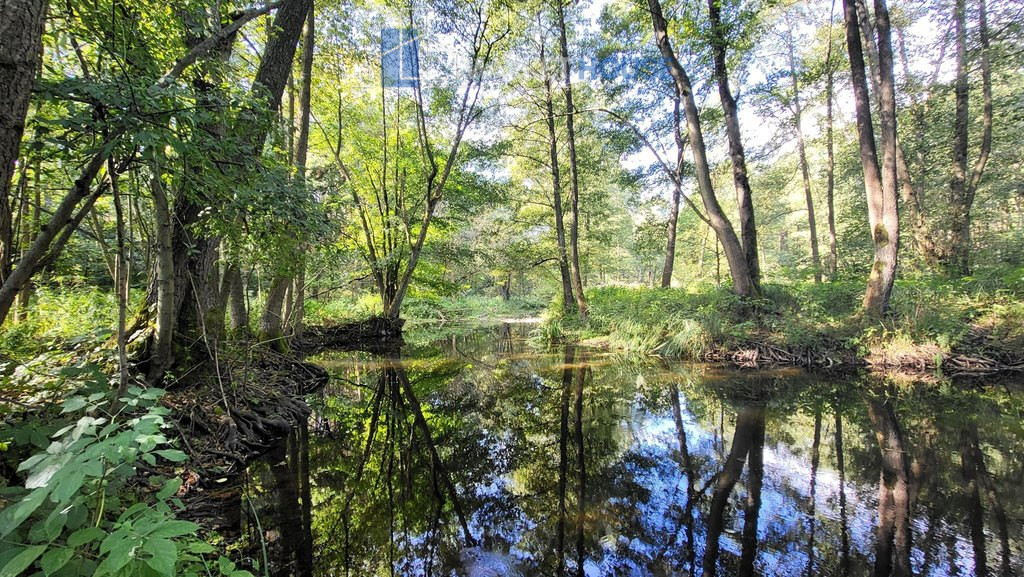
479,456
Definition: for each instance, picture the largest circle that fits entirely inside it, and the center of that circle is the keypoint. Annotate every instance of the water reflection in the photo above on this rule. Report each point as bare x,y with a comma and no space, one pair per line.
478,455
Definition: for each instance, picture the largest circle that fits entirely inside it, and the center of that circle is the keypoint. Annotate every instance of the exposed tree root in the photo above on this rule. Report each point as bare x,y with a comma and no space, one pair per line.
968,360
375,334
755,354
226,421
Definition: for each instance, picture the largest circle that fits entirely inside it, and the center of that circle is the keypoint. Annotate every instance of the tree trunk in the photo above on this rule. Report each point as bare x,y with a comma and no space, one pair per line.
21,27
830,166
556,186
963,188
744,202
677,193
805,171
743,282
277,318
879,181
25,294
237,302
574,188
271,323
892,553
958,179
51,237
163,335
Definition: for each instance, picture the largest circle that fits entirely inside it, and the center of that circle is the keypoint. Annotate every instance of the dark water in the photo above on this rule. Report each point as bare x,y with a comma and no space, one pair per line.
478,456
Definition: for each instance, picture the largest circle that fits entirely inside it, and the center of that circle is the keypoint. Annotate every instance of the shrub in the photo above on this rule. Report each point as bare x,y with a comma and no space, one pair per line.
73,514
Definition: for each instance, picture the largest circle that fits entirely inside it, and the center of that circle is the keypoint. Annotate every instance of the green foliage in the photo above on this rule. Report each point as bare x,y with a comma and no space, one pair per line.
926,312
63,316
81,509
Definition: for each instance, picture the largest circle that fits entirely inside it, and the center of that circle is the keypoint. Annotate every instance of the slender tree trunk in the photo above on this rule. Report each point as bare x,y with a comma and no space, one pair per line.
21,28
805,170
121,281
744,282
958,178
677,192
574,179
568,303
744,202
51,238
912,192
830,163
964,187
163,334
811,515
879,181
25,294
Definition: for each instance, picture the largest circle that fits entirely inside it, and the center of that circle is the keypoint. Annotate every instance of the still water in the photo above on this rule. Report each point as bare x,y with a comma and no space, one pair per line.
477,455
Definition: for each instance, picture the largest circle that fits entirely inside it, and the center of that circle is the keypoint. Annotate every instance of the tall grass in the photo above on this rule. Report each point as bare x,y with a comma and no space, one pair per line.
925,312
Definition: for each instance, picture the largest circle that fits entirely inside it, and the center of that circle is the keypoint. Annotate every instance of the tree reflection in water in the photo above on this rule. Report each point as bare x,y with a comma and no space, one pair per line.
480,456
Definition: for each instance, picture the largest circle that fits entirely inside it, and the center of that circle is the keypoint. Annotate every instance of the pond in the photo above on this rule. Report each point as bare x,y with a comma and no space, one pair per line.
480,455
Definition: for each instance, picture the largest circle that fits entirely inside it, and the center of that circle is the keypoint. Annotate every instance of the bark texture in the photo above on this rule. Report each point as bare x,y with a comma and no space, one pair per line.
21,32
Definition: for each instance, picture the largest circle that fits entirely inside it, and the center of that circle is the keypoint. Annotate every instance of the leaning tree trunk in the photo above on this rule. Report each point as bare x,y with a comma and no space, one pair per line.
744,202
743,281
574,177
879,181
21,28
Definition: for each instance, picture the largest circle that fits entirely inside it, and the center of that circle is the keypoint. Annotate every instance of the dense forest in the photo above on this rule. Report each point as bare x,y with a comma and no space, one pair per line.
197,199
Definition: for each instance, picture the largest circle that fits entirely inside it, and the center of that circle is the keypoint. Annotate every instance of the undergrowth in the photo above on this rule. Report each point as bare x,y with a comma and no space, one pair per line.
926,313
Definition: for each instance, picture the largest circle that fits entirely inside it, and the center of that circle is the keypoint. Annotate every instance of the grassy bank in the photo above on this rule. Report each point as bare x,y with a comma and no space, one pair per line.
931,321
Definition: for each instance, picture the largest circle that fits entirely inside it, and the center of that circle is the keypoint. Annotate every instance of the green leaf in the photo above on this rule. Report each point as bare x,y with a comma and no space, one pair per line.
55,559
172,455
173,529
21,561
83,536
225,565
119,551
164,555
73,404
201,547
14,515
170,488
69,485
